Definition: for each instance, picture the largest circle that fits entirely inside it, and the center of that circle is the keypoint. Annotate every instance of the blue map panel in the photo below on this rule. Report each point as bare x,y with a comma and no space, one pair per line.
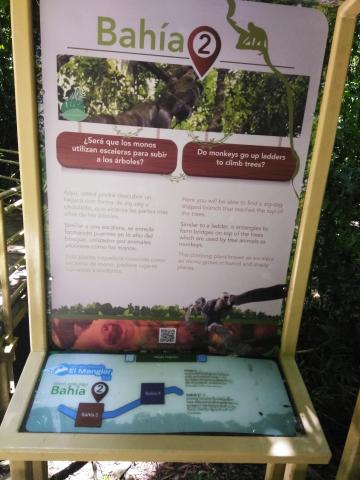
111,393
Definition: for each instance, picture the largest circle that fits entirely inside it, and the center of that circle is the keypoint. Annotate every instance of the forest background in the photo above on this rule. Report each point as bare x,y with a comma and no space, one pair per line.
329,345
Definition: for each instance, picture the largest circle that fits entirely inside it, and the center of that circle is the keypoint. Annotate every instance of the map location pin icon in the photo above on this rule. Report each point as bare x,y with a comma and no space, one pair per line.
99,390
204,45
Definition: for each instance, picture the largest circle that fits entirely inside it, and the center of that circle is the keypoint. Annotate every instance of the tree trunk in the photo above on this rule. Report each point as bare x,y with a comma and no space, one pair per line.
219,103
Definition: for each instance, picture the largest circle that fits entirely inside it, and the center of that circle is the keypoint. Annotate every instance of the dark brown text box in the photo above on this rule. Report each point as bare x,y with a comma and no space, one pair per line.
112,152
238,161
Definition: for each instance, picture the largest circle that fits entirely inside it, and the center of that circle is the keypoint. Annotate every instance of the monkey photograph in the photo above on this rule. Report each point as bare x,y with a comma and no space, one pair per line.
105,334
125,335
167,96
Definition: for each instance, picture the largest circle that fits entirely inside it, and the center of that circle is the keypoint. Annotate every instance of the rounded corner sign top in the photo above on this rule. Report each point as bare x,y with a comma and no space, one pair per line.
222,34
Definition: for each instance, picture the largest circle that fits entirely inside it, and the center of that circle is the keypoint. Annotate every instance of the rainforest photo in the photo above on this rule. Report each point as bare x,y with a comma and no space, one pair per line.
146,94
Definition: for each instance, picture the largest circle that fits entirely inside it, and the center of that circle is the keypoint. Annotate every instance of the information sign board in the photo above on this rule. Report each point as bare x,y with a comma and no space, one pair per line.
175,152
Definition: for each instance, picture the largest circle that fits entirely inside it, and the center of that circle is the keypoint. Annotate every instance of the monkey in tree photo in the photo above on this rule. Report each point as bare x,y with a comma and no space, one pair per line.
219,336
181,93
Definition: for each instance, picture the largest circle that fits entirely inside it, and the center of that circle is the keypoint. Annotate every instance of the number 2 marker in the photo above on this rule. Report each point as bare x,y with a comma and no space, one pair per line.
204,46
99,390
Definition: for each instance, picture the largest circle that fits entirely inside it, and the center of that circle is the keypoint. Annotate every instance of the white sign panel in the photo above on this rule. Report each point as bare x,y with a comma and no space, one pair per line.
176,138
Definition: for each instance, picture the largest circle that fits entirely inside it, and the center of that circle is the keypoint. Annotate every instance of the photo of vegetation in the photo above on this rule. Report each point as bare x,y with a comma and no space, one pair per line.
158,312
171,96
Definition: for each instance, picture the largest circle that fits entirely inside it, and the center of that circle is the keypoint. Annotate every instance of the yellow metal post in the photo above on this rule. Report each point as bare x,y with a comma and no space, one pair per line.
40,470
21,471
274,471
26,113
349,468
324,143
295,472
4,388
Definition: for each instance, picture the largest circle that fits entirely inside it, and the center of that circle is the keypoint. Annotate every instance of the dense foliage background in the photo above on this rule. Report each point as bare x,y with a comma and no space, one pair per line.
158,312
329,344
330,334
228,101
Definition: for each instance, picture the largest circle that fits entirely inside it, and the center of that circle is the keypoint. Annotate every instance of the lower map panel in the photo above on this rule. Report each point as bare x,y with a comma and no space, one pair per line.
112,393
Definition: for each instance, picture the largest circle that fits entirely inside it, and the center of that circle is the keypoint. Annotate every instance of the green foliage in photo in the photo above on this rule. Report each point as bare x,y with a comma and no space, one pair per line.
156,312
256,103
104,83
230,101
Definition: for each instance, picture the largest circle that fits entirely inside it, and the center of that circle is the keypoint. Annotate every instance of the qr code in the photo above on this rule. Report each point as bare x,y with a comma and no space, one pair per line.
167,335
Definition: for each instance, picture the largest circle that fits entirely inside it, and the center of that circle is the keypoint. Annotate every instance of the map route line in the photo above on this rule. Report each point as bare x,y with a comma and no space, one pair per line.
70,412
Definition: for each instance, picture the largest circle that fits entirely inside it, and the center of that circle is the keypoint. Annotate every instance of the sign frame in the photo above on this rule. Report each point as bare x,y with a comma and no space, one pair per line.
27,452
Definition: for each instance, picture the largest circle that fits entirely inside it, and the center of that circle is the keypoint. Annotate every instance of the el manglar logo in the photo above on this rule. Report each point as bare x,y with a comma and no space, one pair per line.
74,108
97,370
